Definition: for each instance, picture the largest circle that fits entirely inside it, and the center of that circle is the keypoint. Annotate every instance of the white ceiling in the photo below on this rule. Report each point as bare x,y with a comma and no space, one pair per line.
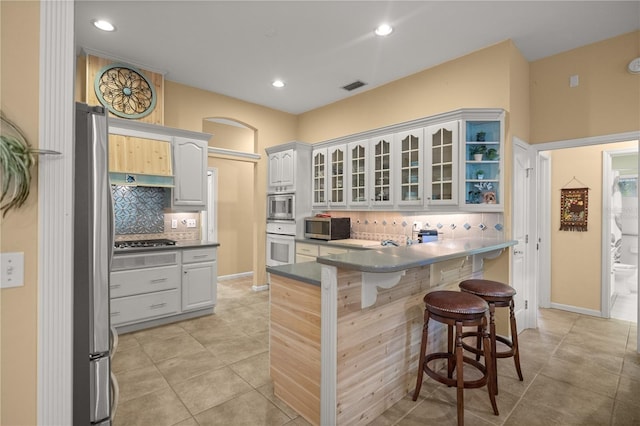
237,48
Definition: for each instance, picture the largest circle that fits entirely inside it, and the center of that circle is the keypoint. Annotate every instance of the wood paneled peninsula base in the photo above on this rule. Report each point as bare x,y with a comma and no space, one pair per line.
345,331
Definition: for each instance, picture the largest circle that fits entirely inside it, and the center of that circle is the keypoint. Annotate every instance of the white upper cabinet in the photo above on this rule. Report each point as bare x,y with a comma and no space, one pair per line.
381,177
449,162
358,173
319,178
441,165
409,147
281,171
191,173
337,176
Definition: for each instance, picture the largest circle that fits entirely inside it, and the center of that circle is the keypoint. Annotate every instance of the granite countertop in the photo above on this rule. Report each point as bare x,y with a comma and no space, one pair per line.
392,259
349,243
307,272
179,245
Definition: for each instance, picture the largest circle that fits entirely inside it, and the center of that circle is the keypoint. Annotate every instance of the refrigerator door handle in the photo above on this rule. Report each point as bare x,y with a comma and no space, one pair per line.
102,244
100,389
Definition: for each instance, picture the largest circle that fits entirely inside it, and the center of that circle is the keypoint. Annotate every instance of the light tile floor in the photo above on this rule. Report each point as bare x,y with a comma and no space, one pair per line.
625,307
213,370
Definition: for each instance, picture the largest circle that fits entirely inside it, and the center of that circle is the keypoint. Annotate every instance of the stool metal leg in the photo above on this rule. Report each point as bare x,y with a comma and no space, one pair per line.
423,351
514,340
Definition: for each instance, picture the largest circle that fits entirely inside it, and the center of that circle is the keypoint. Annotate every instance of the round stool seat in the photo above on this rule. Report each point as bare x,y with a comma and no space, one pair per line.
487,288
453,304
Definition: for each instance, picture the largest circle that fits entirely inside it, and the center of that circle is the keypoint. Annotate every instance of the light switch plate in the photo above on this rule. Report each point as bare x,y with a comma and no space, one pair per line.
12,272
174,223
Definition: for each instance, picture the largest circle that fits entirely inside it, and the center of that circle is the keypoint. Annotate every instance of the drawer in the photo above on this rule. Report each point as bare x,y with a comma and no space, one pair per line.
300,258
325,250
307,249
199,255
138,281
141,307
144,260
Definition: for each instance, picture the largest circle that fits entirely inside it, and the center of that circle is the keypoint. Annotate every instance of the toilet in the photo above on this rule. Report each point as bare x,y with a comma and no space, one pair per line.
626,271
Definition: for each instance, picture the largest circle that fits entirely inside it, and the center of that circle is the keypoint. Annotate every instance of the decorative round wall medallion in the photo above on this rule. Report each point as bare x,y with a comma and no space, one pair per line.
125,91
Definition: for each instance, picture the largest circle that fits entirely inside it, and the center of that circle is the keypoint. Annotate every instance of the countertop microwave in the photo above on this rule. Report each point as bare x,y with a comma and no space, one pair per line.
327,228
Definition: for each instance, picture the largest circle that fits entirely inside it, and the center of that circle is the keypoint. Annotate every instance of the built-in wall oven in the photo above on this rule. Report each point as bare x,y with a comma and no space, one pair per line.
281,245
281,207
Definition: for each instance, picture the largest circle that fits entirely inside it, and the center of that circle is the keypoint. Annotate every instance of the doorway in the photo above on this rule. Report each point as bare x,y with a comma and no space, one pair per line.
620,234
585,298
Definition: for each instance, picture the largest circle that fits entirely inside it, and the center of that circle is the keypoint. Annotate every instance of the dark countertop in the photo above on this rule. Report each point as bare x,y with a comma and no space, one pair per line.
392,259
307,272
179,245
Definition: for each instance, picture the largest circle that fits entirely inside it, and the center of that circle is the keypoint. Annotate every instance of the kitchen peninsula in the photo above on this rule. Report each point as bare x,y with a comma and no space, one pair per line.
345,331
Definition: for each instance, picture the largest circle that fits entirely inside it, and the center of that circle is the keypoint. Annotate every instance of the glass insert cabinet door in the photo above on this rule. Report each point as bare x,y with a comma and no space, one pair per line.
410,144
382,179
482,147
337,175
319,176
357,160
442,163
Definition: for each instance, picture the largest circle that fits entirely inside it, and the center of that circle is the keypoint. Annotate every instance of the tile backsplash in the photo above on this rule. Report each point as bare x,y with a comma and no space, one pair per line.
398,226
139,214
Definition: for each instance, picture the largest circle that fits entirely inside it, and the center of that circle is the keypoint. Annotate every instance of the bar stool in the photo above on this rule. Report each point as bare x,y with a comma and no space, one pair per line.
456,309
497,295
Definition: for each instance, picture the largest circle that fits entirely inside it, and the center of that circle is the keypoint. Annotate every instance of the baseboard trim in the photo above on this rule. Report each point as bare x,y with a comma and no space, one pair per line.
264,287
234,276
576,309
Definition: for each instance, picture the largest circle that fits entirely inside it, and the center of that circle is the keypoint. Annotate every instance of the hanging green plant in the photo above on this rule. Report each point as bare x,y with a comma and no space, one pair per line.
16,160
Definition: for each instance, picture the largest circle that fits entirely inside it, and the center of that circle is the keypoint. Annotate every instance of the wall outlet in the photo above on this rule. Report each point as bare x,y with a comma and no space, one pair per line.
191,223
12,272
174,223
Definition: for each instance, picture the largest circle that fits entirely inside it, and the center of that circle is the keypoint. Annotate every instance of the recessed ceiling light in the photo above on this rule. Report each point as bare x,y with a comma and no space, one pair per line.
278,83
103,25
384,30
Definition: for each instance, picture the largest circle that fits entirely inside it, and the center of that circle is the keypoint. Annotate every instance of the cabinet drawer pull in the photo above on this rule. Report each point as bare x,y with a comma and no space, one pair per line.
158,280
199,256
115,314
158,305
115,286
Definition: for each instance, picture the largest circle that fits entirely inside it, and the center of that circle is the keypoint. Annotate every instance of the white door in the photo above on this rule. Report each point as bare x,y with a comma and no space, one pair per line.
521,208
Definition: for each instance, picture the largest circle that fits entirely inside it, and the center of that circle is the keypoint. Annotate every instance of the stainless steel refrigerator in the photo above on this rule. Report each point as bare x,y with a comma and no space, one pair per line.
93,249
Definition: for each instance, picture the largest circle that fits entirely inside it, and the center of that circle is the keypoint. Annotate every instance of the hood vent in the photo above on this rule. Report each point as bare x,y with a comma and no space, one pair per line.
353,86
132,179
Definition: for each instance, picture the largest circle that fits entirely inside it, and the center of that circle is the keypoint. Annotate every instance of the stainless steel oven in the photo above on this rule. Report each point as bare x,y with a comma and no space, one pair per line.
281,206
281,245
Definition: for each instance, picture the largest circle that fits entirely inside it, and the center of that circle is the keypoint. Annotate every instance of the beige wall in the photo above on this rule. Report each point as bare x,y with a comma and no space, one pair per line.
19,50
235,195
186,107
576,256
607,100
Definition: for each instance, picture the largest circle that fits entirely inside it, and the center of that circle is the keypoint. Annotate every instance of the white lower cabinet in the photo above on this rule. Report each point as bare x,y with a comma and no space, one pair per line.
154,285
308,252
199,271
141,307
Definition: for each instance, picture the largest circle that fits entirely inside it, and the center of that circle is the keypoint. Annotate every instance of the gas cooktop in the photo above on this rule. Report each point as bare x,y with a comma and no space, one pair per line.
144,243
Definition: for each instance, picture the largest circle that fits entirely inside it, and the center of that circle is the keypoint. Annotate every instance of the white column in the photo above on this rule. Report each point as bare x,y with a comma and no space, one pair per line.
328,345
55,196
